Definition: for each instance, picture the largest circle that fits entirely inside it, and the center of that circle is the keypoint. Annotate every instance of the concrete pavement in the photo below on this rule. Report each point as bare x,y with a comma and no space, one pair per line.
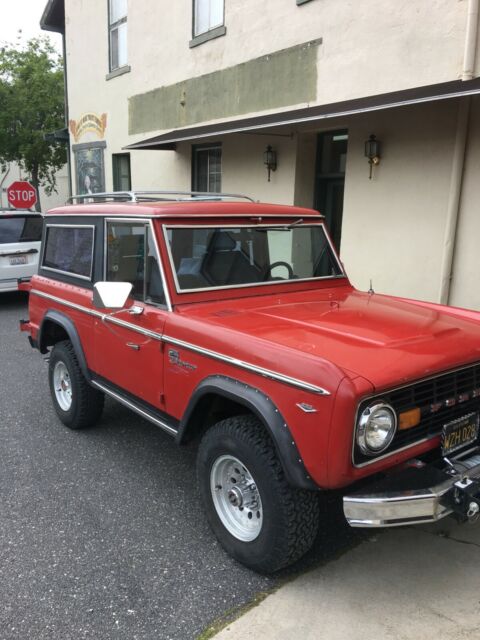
401,584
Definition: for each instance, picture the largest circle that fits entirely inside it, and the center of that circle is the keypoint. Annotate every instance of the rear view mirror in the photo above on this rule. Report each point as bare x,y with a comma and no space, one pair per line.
111,295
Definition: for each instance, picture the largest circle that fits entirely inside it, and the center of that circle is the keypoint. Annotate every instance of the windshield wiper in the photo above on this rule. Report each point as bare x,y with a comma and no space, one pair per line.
283,227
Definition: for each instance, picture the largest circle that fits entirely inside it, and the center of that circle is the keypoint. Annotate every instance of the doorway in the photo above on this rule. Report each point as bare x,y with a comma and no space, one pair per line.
330,180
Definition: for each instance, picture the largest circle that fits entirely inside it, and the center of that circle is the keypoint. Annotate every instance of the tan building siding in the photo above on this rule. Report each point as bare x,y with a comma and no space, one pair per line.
465,291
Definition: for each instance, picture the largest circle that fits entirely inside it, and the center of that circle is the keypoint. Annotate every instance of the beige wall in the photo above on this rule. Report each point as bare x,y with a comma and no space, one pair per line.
465,290
421,42
244,172
394,224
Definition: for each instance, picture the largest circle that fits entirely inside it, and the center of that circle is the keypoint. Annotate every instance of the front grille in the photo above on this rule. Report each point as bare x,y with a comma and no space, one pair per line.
460,389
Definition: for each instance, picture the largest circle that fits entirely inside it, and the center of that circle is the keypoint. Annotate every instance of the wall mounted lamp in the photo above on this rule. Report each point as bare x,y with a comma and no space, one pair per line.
372,152
270,160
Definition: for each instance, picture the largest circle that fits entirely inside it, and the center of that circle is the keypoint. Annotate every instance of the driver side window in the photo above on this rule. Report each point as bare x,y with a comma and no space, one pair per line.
131,257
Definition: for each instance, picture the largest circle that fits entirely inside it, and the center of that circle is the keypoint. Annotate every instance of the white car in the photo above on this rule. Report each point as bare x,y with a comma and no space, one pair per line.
20,236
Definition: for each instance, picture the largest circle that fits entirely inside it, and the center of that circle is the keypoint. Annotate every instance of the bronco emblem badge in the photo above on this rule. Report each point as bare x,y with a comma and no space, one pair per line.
174,358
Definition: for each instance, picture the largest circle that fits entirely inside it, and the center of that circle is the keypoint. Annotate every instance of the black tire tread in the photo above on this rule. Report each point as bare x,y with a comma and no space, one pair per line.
89,401
300,507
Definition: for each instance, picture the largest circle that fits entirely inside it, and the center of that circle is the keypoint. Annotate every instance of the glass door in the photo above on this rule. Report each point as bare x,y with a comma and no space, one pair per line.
330,180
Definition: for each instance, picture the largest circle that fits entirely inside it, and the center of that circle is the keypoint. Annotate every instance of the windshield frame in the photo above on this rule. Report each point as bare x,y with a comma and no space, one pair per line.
166,227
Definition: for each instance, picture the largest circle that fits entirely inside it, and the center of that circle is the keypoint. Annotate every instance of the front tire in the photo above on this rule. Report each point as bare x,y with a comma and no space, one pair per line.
78,405
259,519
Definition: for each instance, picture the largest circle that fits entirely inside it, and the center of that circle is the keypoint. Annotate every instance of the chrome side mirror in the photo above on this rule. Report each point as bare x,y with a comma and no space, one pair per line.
111,295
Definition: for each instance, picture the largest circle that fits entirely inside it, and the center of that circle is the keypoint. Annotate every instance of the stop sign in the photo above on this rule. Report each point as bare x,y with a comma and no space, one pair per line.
21,194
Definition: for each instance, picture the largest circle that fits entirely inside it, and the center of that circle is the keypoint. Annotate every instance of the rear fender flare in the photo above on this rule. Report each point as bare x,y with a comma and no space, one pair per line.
265,410
60,319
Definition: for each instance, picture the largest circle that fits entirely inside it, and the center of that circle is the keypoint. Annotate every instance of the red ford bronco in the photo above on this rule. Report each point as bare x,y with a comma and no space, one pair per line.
232,324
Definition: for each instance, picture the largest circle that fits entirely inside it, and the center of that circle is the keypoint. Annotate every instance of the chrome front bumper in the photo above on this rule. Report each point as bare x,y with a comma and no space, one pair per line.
418,495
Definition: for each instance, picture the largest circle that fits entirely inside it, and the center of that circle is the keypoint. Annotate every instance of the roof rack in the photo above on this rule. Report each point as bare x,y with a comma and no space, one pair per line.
154,196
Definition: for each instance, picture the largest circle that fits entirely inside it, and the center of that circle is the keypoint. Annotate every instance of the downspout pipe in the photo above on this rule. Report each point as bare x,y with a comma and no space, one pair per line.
453,207
1,185
470,40
67,112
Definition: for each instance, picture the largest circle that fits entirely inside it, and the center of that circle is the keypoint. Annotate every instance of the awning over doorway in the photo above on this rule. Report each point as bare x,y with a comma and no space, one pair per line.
430,93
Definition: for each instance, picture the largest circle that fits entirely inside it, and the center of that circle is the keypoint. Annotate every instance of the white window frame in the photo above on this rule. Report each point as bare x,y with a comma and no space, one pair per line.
196,149
115,26
210,22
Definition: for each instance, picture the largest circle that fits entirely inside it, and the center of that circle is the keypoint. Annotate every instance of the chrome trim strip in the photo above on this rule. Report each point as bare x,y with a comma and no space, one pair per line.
266,373
392,453
162,270
101,316
133,327
166,214
66,303
403,386
181,291
137,409
69,226
67,273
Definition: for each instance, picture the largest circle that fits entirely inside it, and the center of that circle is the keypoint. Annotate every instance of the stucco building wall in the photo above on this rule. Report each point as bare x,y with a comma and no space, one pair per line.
466,264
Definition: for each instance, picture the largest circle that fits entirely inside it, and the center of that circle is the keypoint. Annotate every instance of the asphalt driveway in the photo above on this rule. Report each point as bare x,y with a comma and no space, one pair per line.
101,531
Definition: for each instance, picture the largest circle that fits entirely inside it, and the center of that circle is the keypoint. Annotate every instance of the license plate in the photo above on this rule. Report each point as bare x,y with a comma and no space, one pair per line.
18,260
459,433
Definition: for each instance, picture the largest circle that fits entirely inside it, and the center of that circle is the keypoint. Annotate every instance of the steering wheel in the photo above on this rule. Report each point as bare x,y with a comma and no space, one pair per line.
279,263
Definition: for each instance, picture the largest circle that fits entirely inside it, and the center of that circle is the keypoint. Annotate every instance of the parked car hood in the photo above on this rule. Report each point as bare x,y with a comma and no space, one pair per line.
383,339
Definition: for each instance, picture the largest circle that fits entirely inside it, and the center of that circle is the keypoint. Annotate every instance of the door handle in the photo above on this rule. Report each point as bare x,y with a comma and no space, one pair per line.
134,346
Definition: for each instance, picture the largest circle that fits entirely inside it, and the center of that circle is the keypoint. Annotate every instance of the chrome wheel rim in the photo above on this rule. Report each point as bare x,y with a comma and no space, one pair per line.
62,386
236,498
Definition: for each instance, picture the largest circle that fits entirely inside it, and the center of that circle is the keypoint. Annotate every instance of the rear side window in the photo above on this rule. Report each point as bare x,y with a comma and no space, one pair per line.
20,229
69,249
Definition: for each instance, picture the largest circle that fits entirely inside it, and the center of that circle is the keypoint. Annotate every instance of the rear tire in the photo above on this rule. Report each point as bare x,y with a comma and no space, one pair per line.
78,405
239,474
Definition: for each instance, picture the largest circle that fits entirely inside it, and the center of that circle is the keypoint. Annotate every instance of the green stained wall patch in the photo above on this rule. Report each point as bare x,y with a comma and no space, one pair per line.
286,77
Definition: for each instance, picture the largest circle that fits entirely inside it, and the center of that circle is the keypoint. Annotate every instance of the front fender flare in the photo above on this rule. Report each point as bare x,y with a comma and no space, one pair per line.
265,410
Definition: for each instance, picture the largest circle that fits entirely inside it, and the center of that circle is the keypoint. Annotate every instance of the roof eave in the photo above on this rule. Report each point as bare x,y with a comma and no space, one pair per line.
53,16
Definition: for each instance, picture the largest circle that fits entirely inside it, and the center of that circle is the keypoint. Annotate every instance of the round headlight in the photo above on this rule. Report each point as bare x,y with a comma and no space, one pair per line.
376,427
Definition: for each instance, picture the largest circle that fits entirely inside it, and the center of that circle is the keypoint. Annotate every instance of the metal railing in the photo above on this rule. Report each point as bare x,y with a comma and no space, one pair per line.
154,196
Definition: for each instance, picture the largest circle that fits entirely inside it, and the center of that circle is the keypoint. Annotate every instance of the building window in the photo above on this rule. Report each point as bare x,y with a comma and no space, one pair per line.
207,168
117,21
208,15
122,179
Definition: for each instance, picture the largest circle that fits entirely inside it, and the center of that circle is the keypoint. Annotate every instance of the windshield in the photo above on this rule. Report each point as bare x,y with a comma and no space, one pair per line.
20,229
208,257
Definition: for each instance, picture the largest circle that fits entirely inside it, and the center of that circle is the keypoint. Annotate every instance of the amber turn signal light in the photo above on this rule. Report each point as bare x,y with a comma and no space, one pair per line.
409,419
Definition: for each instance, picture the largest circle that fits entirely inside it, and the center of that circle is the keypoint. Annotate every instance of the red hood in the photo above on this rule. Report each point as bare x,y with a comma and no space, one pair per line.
383,339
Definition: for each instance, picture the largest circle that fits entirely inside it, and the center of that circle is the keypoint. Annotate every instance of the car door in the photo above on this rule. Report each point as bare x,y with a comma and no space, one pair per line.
129,346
